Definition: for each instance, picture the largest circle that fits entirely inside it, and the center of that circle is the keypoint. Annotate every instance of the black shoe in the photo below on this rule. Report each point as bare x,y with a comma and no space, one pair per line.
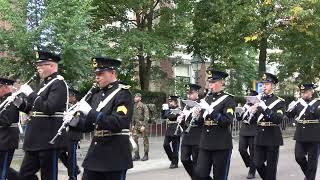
136,157
251,176
173,166
145,157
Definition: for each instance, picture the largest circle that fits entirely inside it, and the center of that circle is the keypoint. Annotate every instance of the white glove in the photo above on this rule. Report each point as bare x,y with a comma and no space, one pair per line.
165,106
292,105
263,105
196,112
26,89
179,119
84,107
67,116
11,98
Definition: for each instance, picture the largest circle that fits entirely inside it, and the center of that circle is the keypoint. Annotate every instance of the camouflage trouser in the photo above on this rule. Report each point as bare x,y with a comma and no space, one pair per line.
144,135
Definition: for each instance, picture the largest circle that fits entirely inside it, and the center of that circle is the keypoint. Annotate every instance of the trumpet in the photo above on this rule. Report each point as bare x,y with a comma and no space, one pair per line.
6,103
70,113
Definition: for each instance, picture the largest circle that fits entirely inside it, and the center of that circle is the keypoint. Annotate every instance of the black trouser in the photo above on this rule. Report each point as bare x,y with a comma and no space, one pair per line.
5,161
309,166
218,160
70,160
246,142
45,160
112,175
172,153
188,151
270,155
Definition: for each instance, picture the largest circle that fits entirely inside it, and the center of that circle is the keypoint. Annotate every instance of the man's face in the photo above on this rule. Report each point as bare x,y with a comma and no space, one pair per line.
193,95
104,78
267,87
172,103
307,94
45,69
137,99
216,86
72,99
5,89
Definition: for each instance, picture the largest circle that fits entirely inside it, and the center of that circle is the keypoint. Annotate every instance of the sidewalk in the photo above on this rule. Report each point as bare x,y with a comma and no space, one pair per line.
157,156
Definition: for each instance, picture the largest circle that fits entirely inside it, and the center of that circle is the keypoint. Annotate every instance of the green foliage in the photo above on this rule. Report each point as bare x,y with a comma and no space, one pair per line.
58,26
143,31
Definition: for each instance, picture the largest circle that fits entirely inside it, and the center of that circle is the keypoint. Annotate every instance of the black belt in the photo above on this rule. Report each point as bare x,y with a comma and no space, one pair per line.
12,125
308,121
266,124
105,133
210,123
41,114
172,122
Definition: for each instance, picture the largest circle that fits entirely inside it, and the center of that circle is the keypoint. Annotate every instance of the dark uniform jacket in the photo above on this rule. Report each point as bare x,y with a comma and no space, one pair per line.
218,137
269,135
171,127
109,153
9,136
247,129
40,130
193,137
307,132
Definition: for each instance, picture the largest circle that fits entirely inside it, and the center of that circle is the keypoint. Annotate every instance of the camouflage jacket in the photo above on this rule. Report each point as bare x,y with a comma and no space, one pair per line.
140,114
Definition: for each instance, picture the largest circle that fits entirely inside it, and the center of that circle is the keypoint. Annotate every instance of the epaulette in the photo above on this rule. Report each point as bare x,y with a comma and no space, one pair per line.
122,86
60,77
229,94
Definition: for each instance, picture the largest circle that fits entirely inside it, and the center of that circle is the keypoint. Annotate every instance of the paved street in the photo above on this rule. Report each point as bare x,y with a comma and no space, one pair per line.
157,167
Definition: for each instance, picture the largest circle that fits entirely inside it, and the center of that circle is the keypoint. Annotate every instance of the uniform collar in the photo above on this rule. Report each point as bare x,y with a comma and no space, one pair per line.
268,95
307,100
218,93
111,85
50,77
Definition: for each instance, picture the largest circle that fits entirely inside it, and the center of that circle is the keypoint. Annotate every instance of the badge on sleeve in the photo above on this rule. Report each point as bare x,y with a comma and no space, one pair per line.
280,111
122,109
230,110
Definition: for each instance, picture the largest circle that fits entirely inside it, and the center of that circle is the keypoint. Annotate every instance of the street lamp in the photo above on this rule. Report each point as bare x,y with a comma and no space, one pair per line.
196,66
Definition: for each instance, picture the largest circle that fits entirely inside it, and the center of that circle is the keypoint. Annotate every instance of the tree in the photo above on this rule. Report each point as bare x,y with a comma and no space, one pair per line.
58,26
300,42
143,31
218,35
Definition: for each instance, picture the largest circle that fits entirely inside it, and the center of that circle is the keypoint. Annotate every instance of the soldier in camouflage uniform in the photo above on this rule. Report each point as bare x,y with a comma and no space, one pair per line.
140,126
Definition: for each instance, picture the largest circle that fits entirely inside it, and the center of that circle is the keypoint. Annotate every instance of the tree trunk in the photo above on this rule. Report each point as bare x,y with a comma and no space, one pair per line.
262,56
142,68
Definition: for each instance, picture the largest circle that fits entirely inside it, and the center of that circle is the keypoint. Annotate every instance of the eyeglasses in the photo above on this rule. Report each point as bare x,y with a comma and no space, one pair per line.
41,65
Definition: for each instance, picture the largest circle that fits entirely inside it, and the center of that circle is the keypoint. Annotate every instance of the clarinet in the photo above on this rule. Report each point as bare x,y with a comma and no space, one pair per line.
73,110
178,125
193,120
196,118
5,104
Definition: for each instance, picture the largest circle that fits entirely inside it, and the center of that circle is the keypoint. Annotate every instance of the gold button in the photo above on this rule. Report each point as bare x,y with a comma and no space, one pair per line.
95,143
262,129
208,130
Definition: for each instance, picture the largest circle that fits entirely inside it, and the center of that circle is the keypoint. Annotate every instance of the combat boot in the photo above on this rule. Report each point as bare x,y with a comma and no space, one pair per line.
145,157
